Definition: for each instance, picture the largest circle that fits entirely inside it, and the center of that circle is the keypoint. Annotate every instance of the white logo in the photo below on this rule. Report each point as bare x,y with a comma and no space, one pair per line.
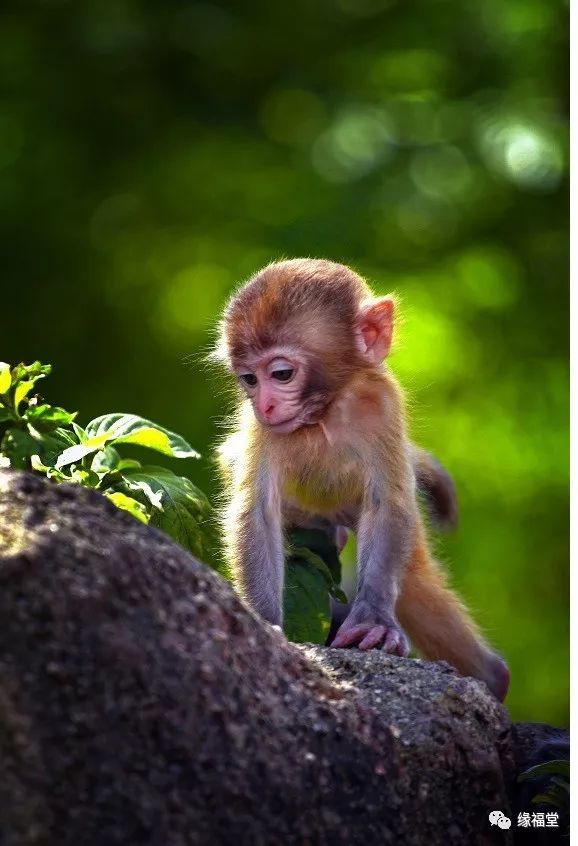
499,819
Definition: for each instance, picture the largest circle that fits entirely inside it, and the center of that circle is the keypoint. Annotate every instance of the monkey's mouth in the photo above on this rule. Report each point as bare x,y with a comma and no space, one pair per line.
285,426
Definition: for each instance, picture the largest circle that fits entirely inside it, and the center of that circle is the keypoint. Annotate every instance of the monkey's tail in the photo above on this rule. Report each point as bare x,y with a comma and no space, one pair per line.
440,626
437,487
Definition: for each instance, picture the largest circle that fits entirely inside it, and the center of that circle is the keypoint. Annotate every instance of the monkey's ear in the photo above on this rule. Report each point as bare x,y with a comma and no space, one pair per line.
375,328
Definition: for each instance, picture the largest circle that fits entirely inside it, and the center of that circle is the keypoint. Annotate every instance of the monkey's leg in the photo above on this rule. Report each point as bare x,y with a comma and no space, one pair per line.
440,626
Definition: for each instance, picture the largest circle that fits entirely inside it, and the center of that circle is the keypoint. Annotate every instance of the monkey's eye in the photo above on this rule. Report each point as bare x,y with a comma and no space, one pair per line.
283,374
249,379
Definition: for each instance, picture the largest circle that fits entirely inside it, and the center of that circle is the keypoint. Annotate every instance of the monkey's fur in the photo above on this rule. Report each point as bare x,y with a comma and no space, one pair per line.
323,434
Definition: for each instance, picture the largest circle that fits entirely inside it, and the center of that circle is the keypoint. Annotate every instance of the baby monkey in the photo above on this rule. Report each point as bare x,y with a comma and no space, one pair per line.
322,435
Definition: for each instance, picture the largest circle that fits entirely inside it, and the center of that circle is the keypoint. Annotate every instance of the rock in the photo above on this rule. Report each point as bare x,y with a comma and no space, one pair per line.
141,702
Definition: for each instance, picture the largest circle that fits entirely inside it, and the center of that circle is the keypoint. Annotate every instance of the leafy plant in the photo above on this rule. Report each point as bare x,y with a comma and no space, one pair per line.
557,791
47,439
312,575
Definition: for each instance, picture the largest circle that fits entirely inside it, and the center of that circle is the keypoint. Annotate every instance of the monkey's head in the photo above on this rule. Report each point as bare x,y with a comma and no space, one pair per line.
297,332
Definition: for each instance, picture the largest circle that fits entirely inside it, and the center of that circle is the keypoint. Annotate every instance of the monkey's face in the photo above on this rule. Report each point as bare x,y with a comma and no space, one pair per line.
276,381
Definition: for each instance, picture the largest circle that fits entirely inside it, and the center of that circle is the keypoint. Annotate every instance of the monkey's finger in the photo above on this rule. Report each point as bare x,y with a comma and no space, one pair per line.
394,643
345,637
402,648
391,642
373,638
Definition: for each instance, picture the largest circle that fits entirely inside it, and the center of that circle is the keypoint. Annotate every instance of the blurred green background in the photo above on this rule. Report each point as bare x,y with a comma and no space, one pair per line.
153,155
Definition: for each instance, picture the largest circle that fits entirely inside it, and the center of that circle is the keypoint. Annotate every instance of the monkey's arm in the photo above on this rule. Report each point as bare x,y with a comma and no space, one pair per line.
385,536
254,539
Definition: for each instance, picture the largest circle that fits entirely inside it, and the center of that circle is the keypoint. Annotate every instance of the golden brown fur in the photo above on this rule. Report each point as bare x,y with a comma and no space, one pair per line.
345,456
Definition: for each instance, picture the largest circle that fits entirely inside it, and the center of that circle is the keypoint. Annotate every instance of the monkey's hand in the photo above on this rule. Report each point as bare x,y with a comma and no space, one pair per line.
369,630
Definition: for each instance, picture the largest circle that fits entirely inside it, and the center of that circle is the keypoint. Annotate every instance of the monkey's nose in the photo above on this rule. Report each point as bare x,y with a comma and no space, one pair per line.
269,409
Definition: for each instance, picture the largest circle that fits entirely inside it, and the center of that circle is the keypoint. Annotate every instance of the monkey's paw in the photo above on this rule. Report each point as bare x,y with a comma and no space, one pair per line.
372,636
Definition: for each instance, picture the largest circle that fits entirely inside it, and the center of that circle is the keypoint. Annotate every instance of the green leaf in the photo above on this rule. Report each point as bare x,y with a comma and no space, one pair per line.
48,417
24,376
317,563
50,472
556,767
37,465
32,372
5,377
186,514
320,543
22,389
105,460
53,443
127,503
18,446
551,797
86,478
128,464
73,454
307,610
131,429
313,573
152,496
79,432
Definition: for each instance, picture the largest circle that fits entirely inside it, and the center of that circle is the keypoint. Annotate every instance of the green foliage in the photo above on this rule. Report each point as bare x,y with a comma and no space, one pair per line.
312,575
557,792
185,514
44,438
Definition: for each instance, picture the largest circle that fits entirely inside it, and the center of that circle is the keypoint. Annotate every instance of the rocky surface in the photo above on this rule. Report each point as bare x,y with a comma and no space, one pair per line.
142,703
